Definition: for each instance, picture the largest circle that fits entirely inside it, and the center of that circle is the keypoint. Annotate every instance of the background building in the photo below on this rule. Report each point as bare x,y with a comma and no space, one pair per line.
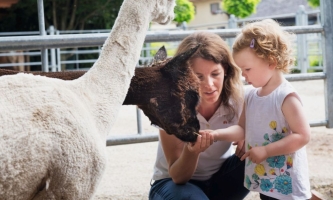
209,15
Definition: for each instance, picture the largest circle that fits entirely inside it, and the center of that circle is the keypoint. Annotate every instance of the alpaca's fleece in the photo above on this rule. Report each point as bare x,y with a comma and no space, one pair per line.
49,142
53,132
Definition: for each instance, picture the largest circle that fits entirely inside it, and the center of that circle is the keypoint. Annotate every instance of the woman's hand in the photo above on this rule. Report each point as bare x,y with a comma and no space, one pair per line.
204,140
240,149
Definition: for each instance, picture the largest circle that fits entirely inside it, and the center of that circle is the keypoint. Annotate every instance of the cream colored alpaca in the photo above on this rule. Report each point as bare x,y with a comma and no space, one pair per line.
54,148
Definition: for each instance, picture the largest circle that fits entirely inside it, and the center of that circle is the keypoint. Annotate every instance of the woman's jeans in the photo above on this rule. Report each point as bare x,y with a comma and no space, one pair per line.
226,184
264,197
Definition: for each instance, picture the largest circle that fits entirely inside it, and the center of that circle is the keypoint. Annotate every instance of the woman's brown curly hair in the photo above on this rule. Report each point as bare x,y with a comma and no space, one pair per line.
214,48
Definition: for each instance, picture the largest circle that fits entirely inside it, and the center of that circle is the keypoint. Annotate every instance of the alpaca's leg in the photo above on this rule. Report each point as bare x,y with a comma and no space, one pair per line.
77,174
82,187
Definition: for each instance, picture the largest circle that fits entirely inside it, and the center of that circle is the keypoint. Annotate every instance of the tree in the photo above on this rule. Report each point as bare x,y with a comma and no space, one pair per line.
240,8
82,14
314,3
20,17
184,11
62,14
74,14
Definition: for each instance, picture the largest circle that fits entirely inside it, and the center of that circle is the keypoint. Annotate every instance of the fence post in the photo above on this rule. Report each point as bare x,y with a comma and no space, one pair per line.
44,55
58,55
232,23
326,7
183,26
139,120
302,58
53,55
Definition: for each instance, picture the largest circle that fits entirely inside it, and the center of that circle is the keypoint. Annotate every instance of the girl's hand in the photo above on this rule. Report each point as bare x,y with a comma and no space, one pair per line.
256,154
204,140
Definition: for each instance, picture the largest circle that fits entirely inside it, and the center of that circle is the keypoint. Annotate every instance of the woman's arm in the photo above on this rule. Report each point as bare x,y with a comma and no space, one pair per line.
183,157
298,124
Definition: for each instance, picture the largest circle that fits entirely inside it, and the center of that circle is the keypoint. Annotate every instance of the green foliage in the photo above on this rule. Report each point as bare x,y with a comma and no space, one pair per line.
62,14
184,11
22,16
74,14
240,8
314,3
315,61
295,71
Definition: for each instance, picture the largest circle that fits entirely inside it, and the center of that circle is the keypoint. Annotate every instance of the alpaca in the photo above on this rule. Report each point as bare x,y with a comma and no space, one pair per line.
168,93
169,104
53,132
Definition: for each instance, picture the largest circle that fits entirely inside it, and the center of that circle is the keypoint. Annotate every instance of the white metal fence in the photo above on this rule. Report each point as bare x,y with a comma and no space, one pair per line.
307,46
47,43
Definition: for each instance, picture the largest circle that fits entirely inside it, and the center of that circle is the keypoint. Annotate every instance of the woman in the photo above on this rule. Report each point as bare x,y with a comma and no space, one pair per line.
205,169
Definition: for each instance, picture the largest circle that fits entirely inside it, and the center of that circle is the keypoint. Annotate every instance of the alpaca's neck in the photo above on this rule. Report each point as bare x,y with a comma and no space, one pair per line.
121,50
109,78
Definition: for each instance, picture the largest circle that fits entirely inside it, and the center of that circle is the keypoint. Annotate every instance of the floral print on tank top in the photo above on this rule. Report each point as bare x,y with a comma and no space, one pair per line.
275,176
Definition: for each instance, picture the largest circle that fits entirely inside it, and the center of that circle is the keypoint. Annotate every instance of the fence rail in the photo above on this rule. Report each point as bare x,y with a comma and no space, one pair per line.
97,39
131,139
44,42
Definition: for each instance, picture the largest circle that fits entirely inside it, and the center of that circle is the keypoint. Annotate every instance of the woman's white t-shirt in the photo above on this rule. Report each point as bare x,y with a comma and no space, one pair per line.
210,160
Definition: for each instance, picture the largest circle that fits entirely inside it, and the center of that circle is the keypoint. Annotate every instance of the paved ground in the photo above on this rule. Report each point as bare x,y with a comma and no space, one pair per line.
130,167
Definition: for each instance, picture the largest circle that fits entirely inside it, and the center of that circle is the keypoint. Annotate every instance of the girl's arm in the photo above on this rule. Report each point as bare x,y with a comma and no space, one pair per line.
298,124
183,157
232,133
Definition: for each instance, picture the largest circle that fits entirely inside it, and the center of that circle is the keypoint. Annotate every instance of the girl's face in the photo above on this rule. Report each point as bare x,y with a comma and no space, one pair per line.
211,77
255,70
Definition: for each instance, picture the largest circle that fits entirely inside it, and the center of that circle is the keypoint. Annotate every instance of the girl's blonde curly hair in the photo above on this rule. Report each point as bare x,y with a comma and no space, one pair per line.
269,42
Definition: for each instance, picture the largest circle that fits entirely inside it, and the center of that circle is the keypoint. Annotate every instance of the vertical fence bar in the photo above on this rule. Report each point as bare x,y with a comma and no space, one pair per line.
58,55
302,58
184,26
139,120
77,63
327,22
232,23
44,55
53,53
